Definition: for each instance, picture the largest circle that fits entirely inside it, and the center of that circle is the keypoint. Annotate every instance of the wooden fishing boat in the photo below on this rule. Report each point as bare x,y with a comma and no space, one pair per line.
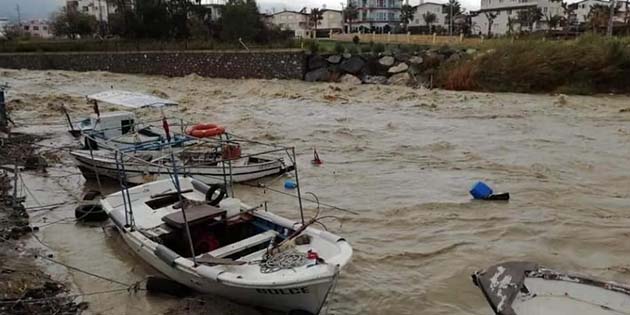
524,288
146,166
242,253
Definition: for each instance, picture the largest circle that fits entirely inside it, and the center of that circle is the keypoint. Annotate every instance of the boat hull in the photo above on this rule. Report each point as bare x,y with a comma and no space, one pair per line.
309,297
523,288
139,173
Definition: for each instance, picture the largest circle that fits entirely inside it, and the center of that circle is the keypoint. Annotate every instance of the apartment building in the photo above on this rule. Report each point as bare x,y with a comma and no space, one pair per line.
505,13
294,21
37,28
100,9
376,15
580,10
424,8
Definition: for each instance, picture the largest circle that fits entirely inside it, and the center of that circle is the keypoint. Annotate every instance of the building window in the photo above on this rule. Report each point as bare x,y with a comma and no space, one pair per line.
86,9
35,28
26,28
545,9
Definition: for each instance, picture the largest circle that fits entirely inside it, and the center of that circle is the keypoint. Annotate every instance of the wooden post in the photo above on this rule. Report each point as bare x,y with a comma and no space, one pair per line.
3,111
389,37
373,35
461,37
408,37
434,38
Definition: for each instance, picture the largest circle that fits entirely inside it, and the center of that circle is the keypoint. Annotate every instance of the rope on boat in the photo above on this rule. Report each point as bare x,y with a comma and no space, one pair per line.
285,260
134,286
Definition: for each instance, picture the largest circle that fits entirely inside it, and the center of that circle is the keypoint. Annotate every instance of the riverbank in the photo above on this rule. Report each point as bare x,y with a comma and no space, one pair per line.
26,287
589,65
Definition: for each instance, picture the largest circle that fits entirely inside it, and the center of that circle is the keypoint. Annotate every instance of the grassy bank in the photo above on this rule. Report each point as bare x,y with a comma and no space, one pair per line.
131,45
591,64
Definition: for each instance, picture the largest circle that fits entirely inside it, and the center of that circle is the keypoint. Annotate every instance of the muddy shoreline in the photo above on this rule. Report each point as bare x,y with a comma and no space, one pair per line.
26,287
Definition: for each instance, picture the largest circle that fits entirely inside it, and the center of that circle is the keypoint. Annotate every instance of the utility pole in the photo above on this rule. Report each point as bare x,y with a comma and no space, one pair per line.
609,31
450,20
19,15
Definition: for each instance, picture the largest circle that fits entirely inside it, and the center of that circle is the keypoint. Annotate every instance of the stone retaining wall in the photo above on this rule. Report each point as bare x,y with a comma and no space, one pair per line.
280,64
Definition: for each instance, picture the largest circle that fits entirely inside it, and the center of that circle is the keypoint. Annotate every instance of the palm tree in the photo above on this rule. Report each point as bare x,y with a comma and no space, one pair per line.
429,18
530,17
451,9
490,15
553,21
598,16
314,18
406,15
350,13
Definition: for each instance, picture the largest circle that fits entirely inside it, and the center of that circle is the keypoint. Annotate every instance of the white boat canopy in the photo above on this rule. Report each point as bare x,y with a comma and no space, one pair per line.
130,99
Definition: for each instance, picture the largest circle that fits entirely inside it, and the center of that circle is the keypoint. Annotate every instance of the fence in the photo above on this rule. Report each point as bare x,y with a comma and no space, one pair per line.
407,39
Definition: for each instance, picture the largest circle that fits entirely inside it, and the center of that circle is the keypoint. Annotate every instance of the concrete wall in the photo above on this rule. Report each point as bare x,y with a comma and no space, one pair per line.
280,64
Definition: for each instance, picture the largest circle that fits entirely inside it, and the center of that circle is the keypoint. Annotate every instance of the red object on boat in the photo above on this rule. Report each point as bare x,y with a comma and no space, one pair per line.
231,151
206,130
312,255
167,130
316,160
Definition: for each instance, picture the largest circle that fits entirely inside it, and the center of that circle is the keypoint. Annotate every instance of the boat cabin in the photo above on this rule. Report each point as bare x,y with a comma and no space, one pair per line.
109,125
213,233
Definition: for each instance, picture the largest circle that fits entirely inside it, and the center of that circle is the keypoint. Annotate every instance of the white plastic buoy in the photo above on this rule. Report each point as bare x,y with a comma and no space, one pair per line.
231,205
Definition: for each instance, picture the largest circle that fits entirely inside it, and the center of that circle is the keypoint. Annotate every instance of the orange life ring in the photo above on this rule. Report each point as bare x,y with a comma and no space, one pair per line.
206,130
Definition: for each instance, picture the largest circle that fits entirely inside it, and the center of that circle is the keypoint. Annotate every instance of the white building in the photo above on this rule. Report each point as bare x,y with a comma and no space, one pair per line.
376,15
429,7
215,6
37,28
506,15
332,20
580,10
294,21
100,9
4,23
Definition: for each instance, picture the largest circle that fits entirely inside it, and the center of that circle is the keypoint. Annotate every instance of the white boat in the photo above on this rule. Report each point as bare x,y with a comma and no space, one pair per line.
524,288
230,246
147,166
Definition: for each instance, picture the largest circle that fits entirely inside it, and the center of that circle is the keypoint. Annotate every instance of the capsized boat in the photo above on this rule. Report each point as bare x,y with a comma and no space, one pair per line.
525,288
240,252
206,165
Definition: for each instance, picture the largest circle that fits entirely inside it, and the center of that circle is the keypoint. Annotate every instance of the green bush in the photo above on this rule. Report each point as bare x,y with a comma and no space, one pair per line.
378,48
592,64
339,49
312,45
356,40
354,49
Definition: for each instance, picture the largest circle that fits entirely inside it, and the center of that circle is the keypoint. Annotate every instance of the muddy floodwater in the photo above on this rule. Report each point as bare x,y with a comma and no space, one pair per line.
403,158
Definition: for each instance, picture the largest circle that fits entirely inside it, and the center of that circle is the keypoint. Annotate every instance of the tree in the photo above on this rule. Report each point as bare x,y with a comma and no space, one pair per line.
406,15
178,12
314,18
350,13
529,17
554,21
241,20
452,9
598,17
71,23
429,18
510,24
490,15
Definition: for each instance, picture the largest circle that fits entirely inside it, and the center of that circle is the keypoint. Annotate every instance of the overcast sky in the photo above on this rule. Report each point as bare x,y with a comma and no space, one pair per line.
31,9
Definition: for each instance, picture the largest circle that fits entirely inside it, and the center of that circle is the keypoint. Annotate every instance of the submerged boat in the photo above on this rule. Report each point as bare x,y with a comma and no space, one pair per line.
207,166
242,253
524,288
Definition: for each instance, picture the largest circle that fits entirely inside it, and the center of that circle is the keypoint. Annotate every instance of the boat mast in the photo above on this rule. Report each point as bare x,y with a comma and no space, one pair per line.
297,183
179,191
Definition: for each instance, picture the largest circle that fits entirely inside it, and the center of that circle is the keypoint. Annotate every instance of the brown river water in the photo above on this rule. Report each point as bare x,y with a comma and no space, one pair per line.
403,158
